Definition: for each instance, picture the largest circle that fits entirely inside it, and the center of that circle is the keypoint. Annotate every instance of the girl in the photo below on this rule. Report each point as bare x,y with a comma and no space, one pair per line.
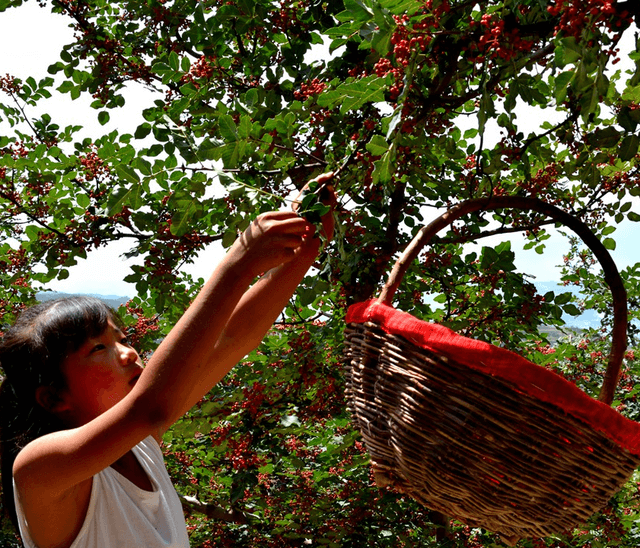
83,449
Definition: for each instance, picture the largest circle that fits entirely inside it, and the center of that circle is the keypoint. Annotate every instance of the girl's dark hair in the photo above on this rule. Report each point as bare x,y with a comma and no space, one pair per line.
31,355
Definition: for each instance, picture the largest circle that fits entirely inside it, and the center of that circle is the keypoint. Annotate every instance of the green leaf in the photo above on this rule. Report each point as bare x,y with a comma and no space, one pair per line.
628,118
117,200
354,95
629,147
228,130
563,298
400,7
135,197
142,131
174,61
209,150
633,216
232,153
103,117
567,51
32,232
562,85
377,145
632,94
604,138
572,309
180,220
384,168
127,173
83,200
244,129
356,11
381,41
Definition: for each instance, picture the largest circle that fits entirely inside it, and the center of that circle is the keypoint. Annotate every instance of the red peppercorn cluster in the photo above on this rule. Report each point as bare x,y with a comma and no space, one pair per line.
9,85
93,166
496,41
203,67
254,397
541,184
241,455
310,89
286,18
143,324
576,16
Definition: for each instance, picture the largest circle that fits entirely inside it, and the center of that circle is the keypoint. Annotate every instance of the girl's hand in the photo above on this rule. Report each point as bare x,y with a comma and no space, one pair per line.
272,239
324,194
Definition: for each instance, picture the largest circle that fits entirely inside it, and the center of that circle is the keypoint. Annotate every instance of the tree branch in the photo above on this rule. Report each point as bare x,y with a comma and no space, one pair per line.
212,511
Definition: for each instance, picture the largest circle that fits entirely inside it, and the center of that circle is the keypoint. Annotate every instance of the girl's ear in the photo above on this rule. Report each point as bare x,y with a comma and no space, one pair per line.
49,398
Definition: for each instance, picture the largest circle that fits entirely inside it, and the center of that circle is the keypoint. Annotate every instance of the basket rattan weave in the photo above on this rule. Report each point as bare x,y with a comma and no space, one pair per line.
464,441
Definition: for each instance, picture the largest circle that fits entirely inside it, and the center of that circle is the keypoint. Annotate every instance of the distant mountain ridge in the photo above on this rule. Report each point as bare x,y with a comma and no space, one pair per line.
113,301
589,319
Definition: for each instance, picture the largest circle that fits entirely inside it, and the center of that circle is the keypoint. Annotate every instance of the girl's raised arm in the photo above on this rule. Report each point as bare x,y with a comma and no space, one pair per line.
238,331
225,322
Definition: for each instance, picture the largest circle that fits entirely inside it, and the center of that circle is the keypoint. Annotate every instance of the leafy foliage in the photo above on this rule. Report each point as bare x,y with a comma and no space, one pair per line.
416,105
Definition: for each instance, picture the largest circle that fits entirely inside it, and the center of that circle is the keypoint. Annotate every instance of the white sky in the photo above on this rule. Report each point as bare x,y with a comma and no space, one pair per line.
31,39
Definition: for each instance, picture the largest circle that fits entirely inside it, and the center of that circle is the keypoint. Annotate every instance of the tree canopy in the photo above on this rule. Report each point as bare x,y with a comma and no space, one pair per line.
415,105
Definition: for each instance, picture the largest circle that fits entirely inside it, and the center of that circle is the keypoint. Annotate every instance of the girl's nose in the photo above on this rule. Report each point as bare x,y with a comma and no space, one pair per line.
127,354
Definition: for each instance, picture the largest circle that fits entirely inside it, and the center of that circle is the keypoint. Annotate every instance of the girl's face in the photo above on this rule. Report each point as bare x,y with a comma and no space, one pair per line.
98,375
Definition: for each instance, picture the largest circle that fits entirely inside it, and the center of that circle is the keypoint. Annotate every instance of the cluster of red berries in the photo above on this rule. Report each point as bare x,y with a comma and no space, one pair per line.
542,183
219,434
203,69
286,19
384,67
144,324
576,16
295,446
310,89
161,15
496,41
254,396
545,349
19,150
93,166
9,85
15,260
241,455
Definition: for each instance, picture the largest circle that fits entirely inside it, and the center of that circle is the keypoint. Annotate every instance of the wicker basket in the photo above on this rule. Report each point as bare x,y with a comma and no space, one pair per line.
475,431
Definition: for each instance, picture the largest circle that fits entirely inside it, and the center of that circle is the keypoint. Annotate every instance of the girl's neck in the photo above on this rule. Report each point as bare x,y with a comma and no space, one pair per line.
129,467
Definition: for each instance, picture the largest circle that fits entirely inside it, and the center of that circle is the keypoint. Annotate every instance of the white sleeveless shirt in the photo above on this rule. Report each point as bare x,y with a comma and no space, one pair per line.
121,515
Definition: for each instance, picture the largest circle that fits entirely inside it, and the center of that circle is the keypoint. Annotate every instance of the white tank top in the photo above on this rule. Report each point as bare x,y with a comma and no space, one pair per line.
121,515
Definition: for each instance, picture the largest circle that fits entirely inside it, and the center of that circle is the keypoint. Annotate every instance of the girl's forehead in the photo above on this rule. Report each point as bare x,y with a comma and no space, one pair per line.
110,328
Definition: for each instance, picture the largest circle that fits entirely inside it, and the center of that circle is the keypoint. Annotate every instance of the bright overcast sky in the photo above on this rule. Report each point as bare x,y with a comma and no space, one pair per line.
31,39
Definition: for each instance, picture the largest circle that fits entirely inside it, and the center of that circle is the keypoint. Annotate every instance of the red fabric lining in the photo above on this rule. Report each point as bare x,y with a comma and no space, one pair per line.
530,378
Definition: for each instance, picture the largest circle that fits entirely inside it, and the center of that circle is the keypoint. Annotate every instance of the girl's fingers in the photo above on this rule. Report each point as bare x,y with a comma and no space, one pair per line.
291,242
325,190
285,222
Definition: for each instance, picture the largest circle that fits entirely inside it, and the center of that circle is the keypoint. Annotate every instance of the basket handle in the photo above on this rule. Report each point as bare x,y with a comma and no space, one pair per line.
611,274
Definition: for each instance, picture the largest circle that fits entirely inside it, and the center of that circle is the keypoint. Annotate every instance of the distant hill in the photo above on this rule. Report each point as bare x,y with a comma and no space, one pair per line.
589,319
584,321
112,300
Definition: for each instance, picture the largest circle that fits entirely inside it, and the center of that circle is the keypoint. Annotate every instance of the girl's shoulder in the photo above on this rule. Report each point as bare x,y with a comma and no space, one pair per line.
54,518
